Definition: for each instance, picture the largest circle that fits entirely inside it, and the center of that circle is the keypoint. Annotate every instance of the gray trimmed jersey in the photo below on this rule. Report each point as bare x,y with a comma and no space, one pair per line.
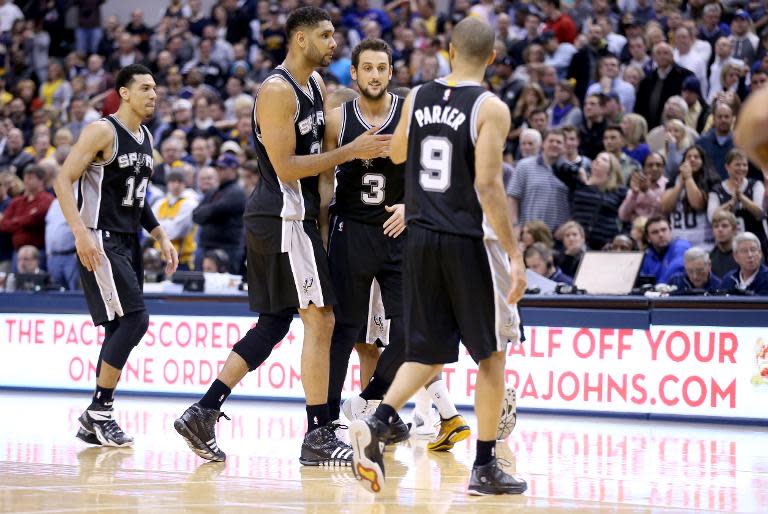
365,186
440,169
299,199
111,193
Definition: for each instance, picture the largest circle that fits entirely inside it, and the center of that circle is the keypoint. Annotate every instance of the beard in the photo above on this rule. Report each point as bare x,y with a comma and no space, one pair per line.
364,91
318,58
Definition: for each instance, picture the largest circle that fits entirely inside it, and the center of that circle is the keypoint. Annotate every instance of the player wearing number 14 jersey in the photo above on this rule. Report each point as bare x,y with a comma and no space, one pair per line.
111,164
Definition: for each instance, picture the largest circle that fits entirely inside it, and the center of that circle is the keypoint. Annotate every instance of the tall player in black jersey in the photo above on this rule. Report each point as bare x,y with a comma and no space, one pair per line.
366,243
287,264
111,163
458,278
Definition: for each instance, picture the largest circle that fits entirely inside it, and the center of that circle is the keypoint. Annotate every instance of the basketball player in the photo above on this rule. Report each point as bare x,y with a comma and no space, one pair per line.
366,243
750,134
461,257
112,164
287,264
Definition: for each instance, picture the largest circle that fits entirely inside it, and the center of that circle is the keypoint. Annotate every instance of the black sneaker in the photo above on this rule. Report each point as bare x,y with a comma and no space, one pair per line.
87,437
491,479
368,436
321,447
398,432
98,426
198,428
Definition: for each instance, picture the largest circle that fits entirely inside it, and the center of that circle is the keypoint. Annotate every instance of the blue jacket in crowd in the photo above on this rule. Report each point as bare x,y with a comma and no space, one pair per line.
663,267
759,286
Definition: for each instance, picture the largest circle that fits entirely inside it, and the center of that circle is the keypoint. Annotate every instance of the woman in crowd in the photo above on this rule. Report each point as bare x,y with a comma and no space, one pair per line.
685,200
646,187
565,109
677,141
574,246
741,195
596,202
536,231
56,91
531,98
635,129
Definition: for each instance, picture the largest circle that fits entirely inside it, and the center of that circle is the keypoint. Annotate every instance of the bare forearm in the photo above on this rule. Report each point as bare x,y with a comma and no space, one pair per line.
513,205
695,196
158,233
752,207
493,201
301,166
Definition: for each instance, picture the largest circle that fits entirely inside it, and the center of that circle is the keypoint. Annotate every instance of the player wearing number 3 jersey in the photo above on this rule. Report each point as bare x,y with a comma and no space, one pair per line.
112,164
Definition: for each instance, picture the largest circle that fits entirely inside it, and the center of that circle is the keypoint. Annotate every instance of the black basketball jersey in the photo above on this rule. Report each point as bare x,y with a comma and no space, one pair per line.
298,199
110,194
440,169
364,187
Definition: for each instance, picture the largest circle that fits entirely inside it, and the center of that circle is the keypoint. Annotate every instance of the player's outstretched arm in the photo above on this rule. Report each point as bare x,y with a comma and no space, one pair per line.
751,134
398,151
96,140
275,109
493,125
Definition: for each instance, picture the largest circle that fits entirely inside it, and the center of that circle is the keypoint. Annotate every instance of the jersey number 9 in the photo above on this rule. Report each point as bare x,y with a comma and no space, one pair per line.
436,164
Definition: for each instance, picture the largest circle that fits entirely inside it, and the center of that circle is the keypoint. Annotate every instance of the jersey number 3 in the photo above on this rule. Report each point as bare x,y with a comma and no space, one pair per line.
135,192
377,183
435,164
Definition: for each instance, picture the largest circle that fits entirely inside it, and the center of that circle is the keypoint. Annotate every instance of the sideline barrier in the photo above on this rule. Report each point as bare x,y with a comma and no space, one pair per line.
700,357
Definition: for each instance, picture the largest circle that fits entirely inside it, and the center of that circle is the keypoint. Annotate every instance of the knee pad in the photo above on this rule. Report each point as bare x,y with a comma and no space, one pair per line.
122,336
257,344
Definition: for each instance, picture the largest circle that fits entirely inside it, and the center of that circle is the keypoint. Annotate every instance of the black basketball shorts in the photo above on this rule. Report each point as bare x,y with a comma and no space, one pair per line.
358,253
455,290
114,289
287,266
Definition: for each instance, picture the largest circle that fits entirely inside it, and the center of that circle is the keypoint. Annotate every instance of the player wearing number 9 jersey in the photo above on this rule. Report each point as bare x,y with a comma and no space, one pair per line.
461,260
112,163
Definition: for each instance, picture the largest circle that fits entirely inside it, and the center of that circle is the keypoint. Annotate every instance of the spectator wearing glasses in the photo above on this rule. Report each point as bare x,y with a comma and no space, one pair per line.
698,276
751,275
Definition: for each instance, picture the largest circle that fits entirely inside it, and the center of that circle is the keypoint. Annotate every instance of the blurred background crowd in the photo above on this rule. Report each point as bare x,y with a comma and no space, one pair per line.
622,138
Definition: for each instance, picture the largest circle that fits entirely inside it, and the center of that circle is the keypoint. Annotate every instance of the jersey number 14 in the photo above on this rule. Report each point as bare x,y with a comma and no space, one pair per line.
135,193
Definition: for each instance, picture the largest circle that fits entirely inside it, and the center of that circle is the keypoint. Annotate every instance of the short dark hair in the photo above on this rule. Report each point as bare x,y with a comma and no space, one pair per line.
536,111
304,17
652,221
125,76
616,128
553,3
473,38
374,45
35,170
220,258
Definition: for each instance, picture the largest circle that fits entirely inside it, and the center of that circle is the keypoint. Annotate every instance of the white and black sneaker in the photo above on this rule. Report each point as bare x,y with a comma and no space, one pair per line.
198,428
490,479
98,426
321,447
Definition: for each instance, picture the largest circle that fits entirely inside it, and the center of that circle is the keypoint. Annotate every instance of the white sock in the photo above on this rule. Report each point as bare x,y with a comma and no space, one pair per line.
442,400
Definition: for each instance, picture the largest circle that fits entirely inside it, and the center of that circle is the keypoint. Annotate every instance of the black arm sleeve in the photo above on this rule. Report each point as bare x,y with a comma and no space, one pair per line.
148,220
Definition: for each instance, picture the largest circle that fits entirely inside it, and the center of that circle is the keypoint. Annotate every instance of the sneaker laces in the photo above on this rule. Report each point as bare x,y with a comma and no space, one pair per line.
112,429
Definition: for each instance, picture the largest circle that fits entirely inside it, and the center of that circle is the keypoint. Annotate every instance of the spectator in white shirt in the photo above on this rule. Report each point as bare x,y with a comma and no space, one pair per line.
686,57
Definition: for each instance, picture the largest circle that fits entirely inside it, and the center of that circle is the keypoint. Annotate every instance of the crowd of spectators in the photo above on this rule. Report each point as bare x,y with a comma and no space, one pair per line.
622,139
